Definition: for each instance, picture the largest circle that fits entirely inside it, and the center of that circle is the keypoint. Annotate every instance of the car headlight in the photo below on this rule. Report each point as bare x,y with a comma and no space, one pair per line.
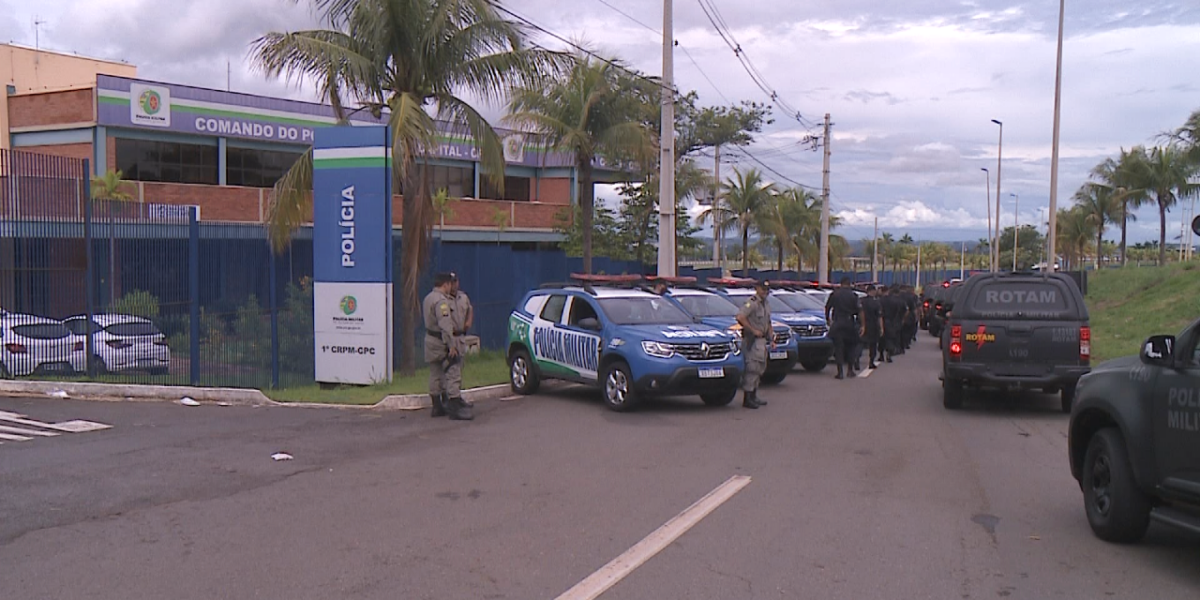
658,349
736,343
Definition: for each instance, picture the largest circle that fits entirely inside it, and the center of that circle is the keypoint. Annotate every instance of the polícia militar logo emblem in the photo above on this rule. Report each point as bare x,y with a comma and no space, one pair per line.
151,102
349,305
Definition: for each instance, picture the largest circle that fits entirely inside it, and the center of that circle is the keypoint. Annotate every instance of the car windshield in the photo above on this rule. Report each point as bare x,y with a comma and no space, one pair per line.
801,302
132,329
708,305
42,331
643,311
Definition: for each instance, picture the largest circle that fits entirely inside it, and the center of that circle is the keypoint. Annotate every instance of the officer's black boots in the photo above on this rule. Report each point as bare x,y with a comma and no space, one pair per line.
459,410
759,401
439,406
840,374
749,400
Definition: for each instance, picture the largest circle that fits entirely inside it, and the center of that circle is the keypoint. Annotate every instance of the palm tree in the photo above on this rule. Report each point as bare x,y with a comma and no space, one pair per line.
590,111
747,197
791,221
1074,233
1189,137
1101,206
411,58
1168,174
885,244
110,186
1124,177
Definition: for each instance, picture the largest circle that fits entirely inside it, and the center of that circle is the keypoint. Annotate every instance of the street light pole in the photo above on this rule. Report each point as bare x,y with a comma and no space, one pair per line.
1052,228
875,254
987,201
666,189
1016,226
999,165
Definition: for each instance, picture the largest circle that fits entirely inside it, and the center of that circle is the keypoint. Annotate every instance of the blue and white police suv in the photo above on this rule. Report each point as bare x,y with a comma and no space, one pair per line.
810,331
719,311
631,343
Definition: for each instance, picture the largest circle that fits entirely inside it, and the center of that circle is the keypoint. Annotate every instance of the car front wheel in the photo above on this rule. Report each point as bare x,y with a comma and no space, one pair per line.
773,378
815,366
721,398
522,375
619,394
1116,509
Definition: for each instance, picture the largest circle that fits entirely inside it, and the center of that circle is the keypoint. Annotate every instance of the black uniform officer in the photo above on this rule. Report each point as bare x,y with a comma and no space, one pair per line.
912,303
873,326
843,314
893,319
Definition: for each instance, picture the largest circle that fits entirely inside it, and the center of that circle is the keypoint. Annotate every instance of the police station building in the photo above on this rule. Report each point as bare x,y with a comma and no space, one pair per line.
223,151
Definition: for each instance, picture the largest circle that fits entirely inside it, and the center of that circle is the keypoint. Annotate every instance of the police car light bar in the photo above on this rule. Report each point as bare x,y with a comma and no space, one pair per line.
731,281
671,280
609,279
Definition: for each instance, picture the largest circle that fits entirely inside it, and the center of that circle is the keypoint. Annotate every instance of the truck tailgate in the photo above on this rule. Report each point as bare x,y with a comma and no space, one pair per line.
1020,348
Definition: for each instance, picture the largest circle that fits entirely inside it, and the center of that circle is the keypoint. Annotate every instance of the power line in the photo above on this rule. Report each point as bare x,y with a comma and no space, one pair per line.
726,33
579,48
680,46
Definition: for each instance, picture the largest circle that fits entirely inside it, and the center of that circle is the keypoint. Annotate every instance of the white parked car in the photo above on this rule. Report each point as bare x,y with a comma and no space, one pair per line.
124,343
32,345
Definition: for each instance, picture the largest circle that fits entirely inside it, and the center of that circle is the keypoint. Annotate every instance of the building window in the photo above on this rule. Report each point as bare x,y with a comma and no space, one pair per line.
459,182
171,162
256,168
515,189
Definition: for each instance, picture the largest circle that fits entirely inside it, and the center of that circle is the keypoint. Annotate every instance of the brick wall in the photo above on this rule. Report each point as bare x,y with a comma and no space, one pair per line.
554,190
79,151
216,203
51,108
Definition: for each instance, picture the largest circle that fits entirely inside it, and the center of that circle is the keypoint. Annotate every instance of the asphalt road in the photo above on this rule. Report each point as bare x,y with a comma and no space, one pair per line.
859,489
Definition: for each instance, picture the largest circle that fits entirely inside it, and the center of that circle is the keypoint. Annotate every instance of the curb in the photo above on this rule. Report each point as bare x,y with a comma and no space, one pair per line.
143,393
229,396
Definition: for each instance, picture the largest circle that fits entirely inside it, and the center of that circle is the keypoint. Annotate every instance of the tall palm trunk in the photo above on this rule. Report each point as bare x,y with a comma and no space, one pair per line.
587,205
414,248
1099,244
780,244
745,250
1124,231
1162,233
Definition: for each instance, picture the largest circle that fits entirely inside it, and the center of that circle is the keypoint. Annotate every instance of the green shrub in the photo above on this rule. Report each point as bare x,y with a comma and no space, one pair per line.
138,303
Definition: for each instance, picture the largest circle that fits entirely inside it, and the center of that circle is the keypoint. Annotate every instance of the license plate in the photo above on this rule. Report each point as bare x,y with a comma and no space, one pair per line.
712,373
779,355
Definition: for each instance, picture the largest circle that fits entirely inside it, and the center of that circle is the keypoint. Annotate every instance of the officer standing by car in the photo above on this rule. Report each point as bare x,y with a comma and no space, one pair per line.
912,303
464,315
757,340
442,351
893,318
844,316
873,326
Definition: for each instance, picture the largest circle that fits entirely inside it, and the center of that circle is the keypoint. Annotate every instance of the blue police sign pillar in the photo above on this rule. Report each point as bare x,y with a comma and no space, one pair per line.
352,255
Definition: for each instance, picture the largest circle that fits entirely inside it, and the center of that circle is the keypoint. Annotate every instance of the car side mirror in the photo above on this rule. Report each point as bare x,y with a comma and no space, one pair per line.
1158,350
589,324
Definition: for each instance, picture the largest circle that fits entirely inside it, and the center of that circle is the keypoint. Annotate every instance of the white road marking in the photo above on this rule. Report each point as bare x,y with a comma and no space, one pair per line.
24,434
23,431
81,426
620,567
865,374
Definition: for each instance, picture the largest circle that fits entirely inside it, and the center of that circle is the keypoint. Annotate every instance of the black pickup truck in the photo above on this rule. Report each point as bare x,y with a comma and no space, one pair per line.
1015,331
1134,439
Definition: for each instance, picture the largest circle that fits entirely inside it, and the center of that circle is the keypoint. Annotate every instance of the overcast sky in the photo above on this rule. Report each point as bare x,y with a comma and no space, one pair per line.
912,86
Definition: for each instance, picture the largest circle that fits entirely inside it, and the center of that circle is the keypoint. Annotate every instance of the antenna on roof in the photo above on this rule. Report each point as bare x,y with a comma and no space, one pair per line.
37,36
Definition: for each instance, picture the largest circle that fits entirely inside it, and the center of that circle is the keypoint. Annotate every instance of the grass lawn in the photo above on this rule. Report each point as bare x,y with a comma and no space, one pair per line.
1131,304
488,368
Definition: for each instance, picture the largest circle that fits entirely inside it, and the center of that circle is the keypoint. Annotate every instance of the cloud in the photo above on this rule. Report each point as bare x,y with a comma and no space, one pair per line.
867,97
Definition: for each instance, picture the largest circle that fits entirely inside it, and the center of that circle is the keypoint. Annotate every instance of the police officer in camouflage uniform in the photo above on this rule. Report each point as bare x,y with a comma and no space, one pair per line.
442,351
757,341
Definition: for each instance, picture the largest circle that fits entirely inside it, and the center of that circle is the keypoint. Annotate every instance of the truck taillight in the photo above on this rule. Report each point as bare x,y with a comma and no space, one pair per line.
15,348
955,341
1085,344
78,346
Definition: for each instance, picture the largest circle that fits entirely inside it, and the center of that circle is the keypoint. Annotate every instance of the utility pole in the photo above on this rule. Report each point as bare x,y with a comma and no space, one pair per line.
1052,229
823,263
716,206
1016,226
666,189
962,263
875,254
999,164
918,282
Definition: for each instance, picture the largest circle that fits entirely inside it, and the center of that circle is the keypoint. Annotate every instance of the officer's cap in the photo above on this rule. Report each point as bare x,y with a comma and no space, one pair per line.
441,279
762,284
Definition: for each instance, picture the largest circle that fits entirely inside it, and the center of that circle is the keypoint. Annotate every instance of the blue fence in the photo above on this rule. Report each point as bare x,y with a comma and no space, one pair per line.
221,308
